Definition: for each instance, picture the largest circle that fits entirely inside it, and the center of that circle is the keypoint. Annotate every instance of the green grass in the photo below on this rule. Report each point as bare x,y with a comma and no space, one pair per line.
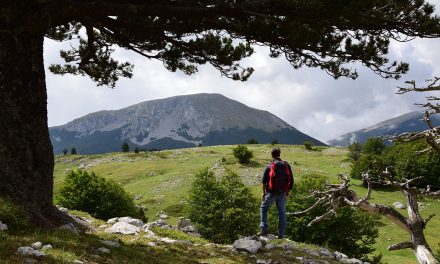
164,178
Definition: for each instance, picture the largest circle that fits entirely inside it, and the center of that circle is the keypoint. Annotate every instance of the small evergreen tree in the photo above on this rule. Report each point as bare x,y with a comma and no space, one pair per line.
73,151
136,150
374,146
224,209
65,152
125,147
243,154
354,151
274,142
252,141
308,145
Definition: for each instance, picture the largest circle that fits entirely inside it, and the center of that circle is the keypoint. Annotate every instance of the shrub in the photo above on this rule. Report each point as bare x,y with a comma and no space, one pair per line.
125,147
308,145
375,164
73,151
222,210
136,150
374,146
65,152
274,142
243,154
252,141
351,231
97,196
354,151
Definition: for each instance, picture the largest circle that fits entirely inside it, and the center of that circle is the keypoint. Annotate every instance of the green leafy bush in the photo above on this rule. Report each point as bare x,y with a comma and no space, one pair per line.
354,151
97,196
351,231
308,145
374,146
252,141
224,209
243,154
375,164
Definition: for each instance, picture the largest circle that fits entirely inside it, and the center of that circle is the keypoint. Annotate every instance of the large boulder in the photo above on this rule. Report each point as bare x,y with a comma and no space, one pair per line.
248,245
123,228
131,221
185,225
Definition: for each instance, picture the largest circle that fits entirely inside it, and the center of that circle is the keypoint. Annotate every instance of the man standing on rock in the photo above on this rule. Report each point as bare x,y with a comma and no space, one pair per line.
277,182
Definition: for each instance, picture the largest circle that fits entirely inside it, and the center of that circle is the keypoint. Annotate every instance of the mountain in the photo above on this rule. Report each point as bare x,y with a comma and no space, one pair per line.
175,122
410,122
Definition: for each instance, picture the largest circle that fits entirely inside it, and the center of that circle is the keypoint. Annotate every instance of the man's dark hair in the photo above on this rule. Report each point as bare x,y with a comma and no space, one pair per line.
276,152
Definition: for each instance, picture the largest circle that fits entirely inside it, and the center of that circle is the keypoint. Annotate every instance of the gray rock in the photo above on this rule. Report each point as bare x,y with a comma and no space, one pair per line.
151,244
261,261
137,197
288,246
69,227
123,228
3,227
110,243
46,247
339,255
247,245
29,261
158,223
399,205
325,252
77,261
351,261
104,250
112,221
269,246
131,221
30,252
37,245
103,226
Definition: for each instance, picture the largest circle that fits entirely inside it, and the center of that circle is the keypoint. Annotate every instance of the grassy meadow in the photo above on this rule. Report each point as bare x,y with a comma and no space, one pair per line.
163,180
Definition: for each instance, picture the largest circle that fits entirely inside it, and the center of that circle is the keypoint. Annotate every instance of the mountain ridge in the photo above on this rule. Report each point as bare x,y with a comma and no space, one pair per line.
175,122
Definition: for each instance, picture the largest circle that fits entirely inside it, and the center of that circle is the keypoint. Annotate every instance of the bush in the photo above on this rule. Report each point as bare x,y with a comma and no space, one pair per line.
136,150
308,145
243,154
252,141
222,210
352,231
97,196
73,151
274,142
374,146
354,151
125,147
375,164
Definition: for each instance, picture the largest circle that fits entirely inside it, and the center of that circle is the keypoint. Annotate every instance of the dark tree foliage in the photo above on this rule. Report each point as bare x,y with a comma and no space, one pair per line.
252,141
125,147
136,150
223,210
94,194
308,145
325,34
351,231
243,154
73,151
274,142
374,146
65,152
354,151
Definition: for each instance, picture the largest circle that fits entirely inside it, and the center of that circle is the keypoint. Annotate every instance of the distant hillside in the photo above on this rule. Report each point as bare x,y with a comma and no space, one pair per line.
175,122
410,122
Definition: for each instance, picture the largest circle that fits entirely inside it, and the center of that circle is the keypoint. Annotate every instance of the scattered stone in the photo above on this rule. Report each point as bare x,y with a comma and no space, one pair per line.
102,226
399,205
151,244
288,246
112,220
149,234
104,250
158,223
248,245
137,197
110,243
339,255
46,247
131,221
123,228
163,215
3,227
261,261
69,227
78,262
269,246
351,261
325,252
29,261
62,209
37,245
30,252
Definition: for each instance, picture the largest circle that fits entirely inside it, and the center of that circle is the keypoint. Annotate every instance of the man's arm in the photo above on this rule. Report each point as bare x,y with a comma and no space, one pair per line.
264,181
291,177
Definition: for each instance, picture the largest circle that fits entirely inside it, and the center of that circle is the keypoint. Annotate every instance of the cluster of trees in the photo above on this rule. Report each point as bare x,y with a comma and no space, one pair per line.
404,161
72,151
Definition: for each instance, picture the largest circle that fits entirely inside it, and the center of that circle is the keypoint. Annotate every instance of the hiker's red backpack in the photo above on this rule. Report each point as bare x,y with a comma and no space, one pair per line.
279,177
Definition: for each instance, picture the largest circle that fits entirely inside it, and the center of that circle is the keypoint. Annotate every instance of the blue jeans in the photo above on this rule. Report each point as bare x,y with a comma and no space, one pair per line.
280,201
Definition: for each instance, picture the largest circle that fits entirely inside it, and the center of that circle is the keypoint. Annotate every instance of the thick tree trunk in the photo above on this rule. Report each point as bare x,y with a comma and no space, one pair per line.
26,157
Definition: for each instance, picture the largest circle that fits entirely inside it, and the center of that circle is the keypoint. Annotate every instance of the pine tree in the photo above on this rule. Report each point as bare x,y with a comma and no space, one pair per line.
125,147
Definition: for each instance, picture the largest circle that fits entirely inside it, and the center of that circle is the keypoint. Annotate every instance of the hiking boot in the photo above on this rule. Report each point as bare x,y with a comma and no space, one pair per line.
262,233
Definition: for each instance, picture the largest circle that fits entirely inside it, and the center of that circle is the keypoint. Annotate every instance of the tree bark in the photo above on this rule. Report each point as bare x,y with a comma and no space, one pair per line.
26,155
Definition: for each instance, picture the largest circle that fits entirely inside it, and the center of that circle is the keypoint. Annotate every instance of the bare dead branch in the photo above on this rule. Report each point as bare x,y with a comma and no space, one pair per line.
406,244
